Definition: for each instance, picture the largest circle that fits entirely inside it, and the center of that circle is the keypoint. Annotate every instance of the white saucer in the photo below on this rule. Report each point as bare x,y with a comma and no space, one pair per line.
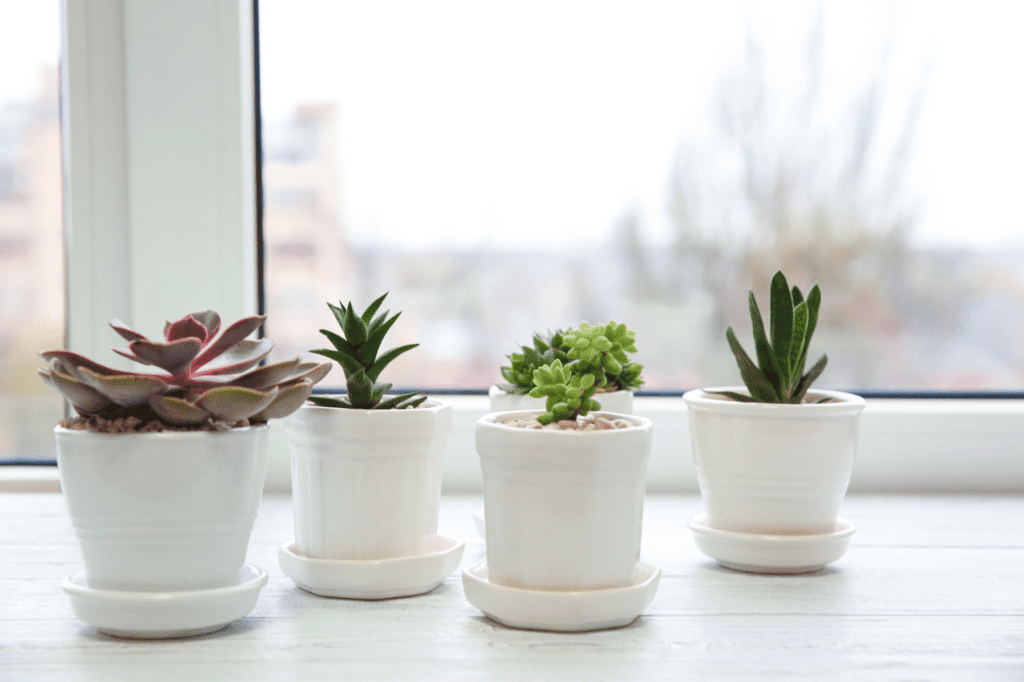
755,553
557,610
161,615
373,578
481,524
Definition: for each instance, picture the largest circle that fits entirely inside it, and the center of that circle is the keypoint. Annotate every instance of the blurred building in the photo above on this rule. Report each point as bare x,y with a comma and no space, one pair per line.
31,268
308,261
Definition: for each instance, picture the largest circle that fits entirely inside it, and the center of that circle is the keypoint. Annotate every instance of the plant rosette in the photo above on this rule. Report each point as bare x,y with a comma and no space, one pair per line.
619,402
564,509
366,484
773,468
162,512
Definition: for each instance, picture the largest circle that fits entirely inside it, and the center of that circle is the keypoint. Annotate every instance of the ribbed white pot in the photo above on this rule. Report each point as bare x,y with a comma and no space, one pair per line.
366,484
564,509
619,402
773,469
162,511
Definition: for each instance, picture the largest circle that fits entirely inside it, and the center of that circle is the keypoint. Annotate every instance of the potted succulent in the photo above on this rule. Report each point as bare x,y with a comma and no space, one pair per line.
163,472
563,493
621,377
366,476
774,459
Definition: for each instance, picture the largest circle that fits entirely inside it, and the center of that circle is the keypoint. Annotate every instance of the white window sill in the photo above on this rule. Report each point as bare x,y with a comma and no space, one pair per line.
922,446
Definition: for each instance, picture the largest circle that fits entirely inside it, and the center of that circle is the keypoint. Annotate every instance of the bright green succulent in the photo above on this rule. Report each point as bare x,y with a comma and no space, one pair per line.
569,394
592,358
519,373
600,350
778,376
356,352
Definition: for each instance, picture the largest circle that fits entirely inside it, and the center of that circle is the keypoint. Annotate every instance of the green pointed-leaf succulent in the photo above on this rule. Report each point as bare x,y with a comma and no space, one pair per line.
778,376
208,379
356,350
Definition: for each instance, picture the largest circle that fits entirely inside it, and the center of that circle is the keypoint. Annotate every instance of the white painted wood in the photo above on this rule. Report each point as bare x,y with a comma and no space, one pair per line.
931,589
159,161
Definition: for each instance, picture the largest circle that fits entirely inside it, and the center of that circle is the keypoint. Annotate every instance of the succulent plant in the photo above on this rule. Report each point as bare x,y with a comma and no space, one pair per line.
778,376
569,394
519,372
356,352
210,380
595,359
600,350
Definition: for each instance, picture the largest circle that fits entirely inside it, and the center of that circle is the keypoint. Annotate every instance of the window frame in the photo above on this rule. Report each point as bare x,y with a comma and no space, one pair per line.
121,165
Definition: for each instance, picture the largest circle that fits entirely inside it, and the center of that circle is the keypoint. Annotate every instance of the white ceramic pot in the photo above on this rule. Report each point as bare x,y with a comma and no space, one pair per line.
162,511
564,509
619,402
770,468
366,484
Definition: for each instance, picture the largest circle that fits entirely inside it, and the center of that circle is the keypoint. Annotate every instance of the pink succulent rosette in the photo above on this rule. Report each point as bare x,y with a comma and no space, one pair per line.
208,377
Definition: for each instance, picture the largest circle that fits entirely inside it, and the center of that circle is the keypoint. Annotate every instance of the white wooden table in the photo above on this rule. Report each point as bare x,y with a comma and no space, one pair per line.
931,589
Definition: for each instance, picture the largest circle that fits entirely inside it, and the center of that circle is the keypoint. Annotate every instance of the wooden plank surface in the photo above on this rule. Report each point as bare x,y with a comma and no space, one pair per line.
931,589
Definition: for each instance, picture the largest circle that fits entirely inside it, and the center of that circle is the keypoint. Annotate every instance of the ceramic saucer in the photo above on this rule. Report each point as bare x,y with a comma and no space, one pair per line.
557,610
373,578
755,553
481,524
161,615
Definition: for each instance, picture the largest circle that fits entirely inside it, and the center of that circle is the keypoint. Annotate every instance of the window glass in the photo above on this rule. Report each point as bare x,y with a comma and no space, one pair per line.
505,168
31,225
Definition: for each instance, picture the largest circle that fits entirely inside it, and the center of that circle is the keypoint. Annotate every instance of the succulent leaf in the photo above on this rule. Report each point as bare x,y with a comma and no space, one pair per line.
186,328
324,401
384,360
84,399
368,353
762,347
758,384
174,357
371,310
210,320
235,403
243,356
126,390
231,336
781,304
355,329
289,399
805,382
268,375
177,410
68,362
126,332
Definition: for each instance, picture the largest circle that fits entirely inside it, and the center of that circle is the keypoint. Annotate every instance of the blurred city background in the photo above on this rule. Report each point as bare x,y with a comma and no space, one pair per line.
502,169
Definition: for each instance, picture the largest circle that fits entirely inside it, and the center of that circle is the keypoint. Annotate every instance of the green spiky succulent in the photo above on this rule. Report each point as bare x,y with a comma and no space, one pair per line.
211,381
594,358
519,374
356,352
600,350
778,376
